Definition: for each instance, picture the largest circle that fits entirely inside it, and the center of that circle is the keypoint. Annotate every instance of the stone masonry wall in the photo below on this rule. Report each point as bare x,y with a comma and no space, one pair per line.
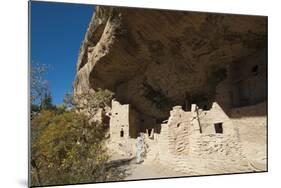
188,142
119,120
201,153
123,117
246,82
215,115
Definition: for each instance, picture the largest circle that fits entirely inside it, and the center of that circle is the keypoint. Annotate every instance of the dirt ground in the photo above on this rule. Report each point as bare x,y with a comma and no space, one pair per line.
147,170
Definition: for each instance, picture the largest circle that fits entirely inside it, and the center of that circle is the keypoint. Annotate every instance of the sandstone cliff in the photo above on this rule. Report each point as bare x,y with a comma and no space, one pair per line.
155,59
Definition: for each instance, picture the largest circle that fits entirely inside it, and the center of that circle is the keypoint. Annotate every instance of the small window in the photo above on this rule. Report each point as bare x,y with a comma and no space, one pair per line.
121,133
116,113
218,128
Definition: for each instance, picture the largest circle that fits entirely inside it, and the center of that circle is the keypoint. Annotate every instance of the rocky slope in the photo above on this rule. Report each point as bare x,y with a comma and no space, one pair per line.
156,59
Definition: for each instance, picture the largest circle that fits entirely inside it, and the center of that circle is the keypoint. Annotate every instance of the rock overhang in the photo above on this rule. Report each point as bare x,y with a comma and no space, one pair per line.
156,59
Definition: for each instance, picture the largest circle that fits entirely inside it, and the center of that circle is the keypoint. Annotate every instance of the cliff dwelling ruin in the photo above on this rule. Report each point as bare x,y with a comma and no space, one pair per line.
195,85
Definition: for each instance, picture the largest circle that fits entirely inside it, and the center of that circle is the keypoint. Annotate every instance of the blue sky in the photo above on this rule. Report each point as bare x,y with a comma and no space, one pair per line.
57,30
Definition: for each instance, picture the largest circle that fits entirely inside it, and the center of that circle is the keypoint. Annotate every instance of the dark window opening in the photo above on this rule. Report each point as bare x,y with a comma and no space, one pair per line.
255,70
116,113
149,132
142,120
121,133
218,128
205,107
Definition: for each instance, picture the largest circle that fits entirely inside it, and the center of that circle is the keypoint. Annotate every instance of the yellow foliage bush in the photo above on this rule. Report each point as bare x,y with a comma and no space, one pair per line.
66,149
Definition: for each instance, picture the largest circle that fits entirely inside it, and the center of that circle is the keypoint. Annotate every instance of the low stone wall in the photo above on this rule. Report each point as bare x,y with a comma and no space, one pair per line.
208,154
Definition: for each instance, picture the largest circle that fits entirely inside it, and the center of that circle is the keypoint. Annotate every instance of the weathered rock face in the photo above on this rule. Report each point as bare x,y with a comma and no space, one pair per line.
156,59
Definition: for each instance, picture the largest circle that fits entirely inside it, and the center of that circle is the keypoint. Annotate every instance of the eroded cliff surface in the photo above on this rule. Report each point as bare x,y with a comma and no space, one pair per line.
156,59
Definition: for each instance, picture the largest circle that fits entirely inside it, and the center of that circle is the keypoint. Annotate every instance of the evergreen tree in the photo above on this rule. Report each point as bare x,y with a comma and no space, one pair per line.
46,102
